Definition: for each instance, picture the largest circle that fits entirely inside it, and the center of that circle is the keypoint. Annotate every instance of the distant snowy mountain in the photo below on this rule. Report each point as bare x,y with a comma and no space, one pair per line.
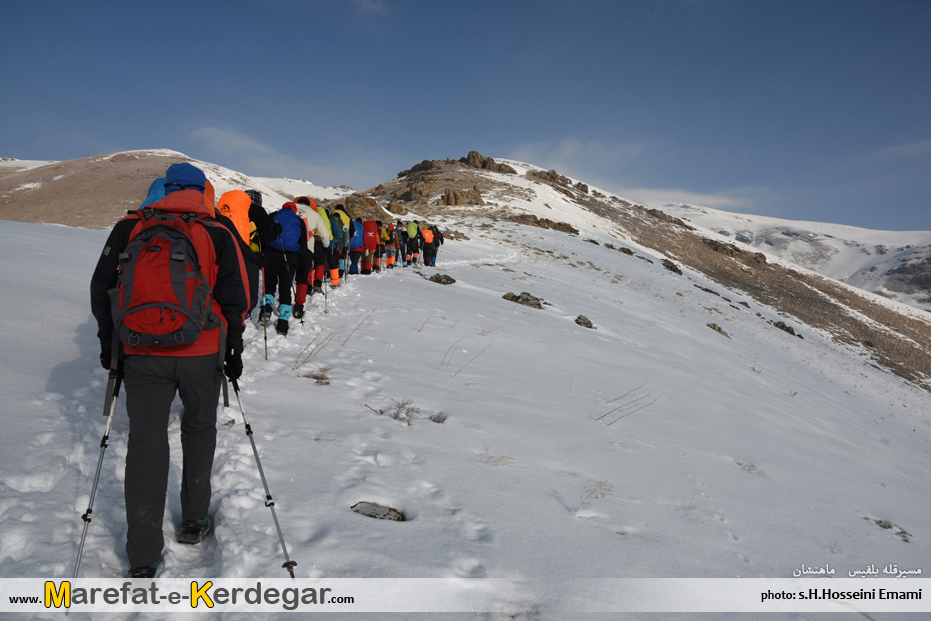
894,264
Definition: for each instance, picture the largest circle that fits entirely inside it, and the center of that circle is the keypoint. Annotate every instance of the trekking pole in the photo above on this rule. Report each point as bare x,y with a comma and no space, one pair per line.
113,389
269,502
326,308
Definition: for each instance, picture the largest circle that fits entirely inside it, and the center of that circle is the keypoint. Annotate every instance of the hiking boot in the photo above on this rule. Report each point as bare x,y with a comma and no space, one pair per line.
143,572
193,532
297,311
265,314
282,327
318,290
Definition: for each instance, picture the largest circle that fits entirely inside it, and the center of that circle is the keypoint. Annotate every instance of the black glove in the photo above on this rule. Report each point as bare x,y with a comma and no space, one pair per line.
105,361
233,358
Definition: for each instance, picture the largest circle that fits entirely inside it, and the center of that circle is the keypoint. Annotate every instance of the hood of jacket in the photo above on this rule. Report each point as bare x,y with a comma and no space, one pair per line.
184,201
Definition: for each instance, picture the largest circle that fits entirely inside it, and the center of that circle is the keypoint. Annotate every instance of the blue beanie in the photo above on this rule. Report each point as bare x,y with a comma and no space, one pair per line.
184,177
156,192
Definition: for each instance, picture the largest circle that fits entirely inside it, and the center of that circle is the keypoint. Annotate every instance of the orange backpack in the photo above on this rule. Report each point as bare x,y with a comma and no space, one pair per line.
427,235
235,206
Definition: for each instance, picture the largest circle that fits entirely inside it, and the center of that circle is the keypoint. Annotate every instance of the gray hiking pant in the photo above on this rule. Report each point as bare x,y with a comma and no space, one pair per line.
151,383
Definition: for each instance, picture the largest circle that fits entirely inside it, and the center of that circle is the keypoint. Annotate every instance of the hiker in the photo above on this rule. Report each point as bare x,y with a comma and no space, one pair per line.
400,232
260,234
260,223
370,244
154,373
437,242
426,240
322,256
318,243
347,231
413,242
234,209
284,256
380,240
336,248
391,246
356,246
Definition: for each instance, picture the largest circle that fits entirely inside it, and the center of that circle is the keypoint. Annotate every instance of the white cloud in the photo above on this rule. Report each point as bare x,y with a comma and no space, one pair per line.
663,196
369,8
898,153
572,154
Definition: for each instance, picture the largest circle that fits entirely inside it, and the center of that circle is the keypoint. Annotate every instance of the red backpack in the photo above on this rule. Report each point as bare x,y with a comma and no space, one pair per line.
163,297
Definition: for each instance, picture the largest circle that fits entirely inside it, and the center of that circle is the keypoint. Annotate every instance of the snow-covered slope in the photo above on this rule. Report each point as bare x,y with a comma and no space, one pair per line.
301,187
895,264
650,446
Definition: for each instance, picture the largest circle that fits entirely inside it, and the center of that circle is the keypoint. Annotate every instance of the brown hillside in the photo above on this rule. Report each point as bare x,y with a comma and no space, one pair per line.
92,192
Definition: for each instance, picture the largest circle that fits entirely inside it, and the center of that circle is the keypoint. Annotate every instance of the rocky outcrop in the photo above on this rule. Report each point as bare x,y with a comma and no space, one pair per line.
473,160
550,176
656,213
543,223
423,166
672,267
476,160
452,197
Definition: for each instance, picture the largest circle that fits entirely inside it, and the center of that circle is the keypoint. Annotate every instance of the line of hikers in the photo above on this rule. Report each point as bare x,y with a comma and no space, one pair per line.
304,244
171,291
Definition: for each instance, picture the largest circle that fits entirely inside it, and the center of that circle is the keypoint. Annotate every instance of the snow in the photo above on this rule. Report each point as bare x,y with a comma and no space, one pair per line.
15,164
648,447
301,187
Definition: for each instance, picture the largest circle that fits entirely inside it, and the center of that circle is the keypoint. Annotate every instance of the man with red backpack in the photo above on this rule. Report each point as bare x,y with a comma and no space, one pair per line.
176,338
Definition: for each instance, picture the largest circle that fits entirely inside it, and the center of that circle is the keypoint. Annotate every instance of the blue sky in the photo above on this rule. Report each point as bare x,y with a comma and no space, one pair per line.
811,110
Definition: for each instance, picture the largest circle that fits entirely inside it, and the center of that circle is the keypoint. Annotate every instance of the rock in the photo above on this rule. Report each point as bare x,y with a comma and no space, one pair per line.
476,160
656,213
379,512
443,279
782,326
397,208
543,223
421,167
524,298
584,321
551,177
453,197
729,250
672,267
493,166
718,329
473,160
